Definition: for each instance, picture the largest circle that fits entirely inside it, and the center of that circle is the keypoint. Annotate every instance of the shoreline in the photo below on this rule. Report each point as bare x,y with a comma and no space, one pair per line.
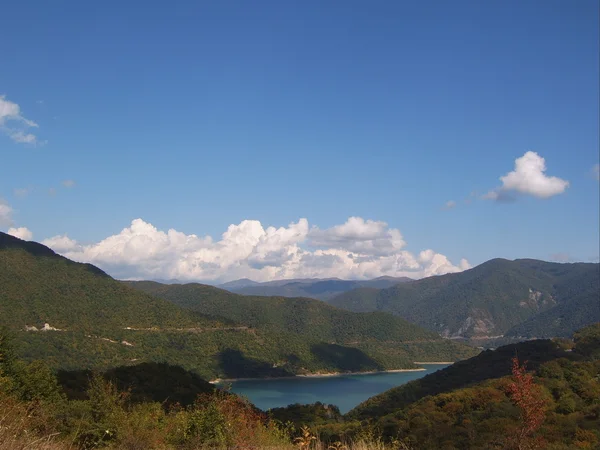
435,362
328,374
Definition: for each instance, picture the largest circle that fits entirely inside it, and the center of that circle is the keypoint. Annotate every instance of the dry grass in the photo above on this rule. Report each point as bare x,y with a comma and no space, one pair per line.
22,428
17,431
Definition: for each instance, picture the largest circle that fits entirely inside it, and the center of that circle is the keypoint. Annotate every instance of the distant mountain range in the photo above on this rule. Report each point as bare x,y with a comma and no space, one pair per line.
524,298
317,288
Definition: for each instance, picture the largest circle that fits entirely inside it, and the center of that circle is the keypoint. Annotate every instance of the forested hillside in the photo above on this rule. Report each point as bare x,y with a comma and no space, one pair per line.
74,316
525,297
375,333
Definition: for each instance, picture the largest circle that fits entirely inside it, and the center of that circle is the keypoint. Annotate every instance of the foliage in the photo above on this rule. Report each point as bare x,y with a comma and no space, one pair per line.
529,399
587,341
145,382
305,439
525,297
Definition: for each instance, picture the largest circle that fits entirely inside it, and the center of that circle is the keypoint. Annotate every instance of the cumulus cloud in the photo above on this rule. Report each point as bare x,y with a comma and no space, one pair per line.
14,124
528,178
5,213
62,244
68,183
21,233
359,236
356,249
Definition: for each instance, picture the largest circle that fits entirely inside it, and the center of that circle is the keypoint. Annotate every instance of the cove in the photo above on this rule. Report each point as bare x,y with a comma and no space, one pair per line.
344,391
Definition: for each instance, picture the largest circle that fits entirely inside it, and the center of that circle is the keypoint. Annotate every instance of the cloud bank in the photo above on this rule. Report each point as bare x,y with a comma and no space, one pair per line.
14,124
356,249
528,178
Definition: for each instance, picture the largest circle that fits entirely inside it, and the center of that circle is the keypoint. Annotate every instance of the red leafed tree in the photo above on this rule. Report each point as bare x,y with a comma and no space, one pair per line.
526,395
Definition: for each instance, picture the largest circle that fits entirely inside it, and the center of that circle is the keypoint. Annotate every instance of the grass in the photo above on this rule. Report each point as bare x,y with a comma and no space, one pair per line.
18,429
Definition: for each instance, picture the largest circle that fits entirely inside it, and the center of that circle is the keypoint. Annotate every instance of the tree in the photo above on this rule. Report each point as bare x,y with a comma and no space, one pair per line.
527,396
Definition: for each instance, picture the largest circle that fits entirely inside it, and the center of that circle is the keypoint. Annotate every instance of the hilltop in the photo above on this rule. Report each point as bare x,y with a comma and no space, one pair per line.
524,298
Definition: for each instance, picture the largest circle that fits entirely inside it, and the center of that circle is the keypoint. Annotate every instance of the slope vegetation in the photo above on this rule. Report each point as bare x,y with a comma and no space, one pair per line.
490,299
379,334
74,316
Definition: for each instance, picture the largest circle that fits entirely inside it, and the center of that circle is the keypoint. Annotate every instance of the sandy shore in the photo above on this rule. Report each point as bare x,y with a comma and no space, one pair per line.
320,375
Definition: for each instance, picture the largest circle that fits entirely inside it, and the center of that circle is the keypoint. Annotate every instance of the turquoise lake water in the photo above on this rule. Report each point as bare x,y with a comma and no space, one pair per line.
345,391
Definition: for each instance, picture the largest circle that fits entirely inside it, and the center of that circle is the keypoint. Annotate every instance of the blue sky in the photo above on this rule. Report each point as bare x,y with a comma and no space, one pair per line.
197,115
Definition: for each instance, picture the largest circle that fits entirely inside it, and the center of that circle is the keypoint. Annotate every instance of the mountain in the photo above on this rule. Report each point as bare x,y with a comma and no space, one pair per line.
320,289
235,284
525,298
75,316
381,335
39,286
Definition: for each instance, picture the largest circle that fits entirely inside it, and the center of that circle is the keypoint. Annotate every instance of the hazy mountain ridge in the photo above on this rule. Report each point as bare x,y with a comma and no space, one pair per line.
517,298
317,288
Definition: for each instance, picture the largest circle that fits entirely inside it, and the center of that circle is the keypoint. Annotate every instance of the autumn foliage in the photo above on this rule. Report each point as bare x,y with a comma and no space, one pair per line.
527,396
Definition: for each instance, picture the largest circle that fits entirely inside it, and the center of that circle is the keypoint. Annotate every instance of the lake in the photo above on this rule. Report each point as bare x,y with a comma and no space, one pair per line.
345,391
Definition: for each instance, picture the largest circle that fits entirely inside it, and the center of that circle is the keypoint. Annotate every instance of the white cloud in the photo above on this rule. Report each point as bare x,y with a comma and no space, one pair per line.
528,178
14,124
356,249
5,213
21,233
68,183
359,236
449,204
596,172
62,244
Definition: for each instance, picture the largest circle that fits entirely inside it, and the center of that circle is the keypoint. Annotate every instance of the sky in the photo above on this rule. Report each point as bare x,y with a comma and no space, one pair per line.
218,140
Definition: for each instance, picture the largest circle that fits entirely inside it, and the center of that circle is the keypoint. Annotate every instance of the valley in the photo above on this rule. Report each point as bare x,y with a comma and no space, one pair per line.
91,349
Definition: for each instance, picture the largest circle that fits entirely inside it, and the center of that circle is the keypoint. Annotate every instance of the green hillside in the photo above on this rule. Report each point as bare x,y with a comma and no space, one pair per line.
487,365
378,334
38,286
492,298
97,322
